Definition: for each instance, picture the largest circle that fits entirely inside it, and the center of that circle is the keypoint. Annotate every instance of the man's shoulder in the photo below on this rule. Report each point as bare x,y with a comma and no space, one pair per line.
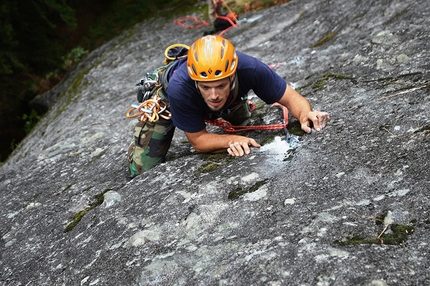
179,74
247,62
245,57
180,83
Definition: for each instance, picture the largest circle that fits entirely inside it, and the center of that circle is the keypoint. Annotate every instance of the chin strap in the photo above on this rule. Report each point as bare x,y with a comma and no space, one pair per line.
233,83
234,90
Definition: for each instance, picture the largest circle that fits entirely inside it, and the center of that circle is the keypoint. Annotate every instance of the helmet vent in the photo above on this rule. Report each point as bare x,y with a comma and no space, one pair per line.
226,65
194,68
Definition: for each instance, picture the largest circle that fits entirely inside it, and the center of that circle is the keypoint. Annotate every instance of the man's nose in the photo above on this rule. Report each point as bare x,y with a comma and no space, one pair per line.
213,93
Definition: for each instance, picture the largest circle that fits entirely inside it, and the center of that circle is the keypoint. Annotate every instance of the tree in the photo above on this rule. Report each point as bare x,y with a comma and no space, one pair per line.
27,29
28,50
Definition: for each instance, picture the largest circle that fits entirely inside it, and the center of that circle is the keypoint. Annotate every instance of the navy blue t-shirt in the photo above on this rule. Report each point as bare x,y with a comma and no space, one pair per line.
188,107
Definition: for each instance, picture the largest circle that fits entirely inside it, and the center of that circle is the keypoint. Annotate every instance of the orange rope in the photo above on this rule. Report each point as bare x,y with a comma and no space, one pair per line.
225,30
150,110
198,23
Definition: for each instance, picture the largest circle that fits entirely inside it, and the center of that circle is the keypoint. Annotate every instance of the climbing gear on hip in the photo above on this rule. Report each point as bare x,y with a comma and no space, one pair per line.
150,110
152,88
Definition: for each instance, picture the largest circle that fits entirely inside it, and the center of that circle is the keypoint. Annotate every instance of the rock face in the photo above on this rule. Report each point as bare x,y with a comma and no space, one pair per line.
350,206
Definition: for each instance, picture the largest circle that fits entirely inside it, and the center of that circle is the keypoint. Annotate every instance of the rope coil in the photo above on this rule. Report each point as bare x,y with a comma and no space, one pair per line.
150,110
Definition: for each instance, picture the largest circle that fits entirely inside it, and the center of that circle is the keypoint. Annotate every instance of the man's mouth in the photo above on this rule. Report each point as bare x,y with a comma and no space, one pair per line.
215,104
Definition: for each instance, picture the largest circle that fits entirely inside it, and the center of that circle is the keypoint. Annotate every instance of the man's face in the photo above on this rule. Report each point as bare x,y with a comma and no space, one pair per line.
215,93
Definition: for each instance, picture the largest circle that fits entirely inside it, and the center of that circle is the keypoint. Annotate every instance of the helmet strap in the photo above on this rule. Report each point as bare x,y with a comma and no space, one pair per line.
232,82
234,90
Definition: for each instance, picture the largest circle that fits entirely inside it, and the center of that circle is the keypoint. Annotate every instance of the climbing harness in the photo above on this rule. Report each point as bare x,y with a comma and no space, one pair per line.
195,22
229,128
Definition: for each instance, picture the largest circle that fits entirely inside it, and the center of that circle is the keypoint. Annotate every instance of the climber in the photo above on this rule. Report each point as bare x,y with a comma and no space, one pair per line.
213,82
220,21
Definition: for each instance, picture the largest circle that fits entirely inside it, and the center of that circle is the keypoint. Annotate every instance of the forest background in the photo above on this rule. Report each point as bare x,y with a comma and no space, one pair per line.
43,39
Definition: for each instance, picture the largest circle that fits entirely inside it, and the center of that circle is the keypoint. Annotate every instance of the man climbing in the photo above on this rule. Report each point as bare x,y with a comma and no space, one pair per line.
212,82
220,21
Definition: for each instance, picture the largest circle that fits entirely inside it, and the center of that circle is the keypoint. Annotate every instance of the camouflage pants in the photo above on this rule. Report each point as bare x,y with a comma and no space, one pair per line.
150,145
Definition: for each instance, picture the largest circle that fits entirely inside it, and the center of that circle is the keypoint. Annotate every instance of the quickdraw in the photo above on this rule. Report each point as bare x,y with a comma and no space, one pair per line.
150,110
229,128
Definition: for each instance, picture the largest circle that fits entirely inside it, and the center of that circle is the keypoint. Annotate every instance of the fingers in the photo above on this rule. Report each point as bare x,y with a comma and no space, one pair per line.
237,149
242,148
306,127
320,121
316,119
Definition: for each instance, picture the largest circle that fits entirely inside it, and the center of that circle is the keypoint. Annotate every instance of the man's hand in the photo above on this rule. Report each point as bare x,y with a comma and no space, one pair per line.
316,118
241,147
236,145
301,109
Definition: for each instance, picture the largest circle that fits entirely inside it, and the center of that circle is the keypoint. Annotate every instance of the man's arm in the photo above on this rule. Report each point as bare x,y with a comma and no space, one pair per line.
301,109
235,145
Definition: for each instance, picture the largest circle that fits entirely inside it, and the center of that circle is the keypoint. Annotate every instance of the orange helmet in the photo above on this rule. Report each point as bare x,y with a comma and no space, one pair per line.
211,58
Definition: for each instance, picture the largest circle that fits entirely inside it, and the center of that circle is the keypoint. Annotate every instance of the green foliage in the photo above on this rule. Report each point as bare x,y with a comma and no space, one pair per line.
324,40
58,8
28,32
74,57
30,120
208,167
238,192
398,236
321,82
119,15
79,215
7,39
